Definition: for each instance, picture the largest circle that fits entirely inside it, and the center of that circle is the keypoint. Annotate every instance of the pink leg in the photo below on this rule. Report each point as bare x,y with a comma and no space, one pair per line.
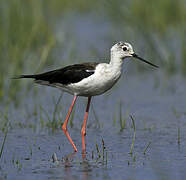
83,130
64,127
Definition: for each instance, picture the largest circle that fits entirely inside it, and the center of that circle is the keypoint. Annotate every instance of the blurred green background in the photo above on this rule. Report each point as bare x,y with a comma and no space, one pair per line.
37,35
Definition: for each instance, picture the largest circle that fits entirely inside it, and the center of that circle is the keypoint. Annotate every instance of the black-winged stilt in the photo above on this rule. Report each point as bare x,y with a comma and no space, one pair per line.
87,79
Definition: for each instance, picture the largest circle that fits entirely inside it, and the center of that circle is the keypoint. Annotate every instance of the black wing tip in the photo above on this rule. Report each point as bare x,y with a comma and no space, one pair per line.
23,76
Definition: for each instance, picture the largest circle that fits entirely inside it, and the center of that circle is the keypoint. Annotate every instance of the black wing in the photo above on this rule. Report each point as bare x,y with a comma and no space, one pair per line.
70,74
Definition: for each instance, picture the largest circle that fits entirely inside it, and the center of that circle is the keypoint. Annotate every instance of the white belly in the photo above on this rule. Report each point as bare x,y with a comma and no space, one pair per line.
98,83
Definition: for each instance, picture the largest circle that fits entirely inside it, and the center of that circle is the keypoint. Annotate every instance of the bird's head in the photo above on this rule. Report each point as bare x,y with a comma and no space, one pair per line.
123,50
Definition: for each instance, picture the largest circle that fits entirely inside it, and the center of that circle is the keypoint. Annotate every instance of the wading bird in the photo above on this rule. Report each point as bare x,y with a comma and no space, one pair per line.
87,79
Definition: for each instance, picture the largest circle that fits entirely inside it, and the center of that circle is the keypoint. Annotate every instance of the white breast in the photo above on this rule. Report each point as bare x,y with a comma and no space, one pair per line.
103,79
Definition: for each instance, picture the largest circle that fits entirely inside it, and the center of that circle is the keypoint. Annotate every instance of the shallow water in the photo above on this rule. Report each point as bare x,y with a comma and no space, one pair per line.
155,100
158,111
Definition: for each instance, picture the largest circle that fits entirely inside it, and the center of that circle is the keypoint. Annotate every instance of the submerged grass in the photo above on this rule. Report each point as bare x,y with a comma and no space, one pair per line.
179,136
122,119
54,121
42,121
146,148
98,125
134,135
4,140
104,156
103,149
98,151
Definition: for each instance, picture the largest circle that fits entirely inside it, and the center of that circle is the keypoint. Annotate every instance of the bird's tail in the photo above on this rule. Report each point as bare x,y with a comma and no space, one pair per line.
24,76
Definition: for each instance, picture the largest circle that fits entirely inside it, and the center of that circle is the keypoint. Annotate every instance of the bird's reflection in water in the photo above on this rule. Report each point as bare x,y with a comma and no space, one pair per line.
83,156
68,159
70,163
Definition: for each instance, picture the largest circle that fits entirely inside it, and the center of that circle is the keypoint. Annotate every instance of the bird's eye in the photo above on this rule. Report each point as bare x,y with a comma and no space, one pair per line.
125,48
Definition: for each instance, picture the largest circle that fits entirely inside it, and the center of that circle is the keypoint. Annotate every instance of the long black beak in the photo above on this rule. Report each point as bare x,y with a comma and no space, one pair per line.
137,57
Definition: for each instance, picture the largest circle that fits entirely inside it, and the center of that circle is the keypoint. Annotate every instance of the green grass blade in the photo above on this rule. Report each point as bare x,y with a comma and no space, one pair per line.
134,135
4,140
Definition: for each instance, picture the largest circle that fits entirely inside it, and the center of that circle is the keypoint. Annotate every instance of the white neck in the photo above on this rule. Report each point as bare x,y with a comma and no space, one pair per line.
115,61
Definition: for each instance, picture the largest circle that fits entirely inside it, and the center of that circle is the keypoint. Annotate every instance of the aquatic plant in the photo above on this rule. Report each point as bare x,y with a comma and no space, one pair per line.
146,148
134,135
